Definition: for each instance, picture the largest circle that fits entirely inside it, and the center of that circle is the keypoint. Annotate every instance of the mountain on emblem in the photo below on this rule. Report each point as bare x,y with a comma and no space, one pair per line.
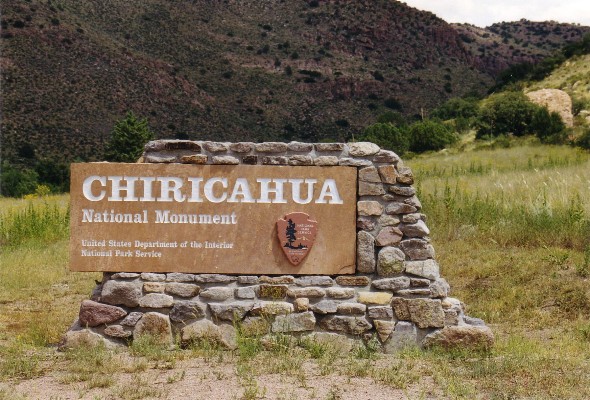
296,234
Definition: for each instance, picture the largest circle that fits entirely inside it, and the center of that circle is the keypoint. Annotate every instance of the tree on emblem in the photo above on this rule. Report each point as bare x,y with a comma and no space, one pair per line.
290,233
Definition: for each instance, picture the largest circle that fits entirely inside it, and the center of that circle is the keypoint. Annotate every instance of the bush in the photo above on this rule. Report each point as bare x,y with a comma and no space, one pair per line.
548,127
392,117
127,139
505,113
456,108
387,136
17,182
430,135
584,140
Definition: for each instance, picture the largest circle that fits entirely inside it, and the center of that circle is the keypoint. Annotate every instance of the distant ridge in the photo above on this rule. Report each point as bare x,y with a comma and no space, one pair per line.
238,70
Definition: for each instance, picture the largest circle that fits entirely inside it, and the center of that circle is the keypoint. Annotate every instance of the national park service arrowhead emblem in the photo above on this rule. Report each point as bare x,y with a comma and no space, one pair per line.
296,235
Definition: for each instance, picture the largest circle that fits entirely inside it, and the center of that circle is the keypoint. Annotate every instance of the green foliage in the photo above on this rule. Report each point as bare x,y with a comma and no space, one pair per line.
16,182
46,222
505,113
127,139
387,136
54,174
455,108
584,140
548,127
392,117
430,135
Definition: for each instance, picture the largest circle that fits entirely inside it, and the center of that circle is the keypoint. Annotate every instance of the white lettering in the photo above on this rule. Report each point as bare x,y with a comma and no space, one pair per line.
329,190
265,190
87,187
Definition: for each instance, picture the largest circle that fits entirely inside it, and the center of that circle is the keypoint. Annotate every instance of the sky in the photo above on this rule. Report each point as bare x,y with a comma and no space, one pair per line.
485,13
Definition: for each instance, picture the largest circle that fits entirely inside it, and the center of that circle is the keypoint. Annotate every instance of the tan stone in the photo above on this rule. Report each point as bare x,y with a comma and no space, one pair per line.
353,280
378,298
362,149
277,280
326,161
554,100
154,287
194,159
369,174
400,306
388,174
426,313
384,329
465,336
369,207
272,291
301,304
388,236
313,292
370,189
156,325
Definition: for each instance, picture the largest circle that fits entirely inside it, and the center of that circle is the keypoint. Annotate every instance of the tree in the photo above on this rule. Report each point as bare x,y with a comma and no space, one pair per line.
430,135
505,113
548,127
127,139
17,182
387,136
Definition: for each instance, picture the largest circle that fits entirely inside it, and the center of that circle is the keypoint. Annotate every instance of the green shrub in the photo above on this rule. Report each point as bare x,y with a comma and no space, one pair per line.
456,108
584,140
387,136
430,135
548,127
505,113
16,182
128,138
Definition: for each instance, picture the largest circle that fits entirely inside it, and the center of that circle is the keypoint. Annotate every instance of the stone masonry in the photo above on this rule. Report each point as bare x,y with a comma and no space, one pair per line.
397,294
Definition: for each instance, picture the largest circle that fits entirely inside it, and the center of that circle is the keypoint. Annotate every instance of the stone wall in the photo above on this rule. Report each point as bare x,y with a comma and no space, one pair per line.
397,294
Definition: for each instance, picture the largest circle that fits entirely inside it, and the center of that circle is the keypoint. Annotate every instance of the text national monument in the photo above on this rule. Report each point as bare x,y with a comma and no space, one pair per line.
325,240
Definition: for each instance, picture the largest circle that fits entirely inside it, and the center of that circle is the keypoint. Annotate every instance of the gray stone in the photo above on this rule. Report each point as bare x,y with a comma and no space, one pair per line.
329,146
464,337
439,288
274,160
95,314
255,326
393,284
406,191
412,218
325,307
179,277
205,330
340,293
84,339
369,174
299,322
117,331
213,278
362,149
155,145
347,324
156,300
174,145
247,280
400,208
452,317
473,321
248,292
313,292
414,292
390,261
232,311
370,189
132,318
314,281
216,293
271,308
366,223
417,282
154,287
388,220
386,156
380,312
124,293
426,313
417,249
199,159
301,304
159,159
369,207
271,147
216,147
365,256
225,160
414,202
151,277
427,268
351,162
351,308
125,275
300,160
384,329
241,147
403,336
156,325
187,310
338,342
323,161
389,236
182,289
298,146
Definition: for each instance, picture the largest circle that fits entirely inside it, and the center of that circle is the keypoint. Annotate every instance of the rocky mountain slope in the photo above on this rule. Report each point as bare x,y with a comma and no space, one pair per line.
234,69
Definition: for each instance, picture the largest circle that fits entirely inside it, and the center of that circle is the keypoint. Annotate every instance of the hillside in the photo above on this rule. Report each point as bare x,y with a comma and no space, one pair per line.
232,70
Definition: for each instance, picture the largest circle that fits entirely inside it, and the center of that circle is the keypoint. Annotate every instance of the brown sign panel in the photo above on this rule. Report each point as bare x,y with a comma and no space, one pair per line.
212,218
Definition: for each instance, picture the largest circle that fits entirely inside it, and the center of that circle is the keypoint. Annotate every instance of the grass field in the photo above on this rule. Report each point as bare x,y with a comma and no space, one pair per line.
511,227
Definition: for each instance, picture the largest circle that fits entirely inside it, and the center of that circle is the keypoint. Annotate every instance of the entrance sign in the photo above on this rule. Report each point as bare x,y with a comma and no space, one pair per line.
228,219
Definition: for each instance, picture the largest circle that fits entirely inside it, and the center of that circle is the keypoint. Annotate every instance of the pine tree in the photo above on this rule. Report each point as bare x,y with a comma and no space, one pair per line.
127,139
